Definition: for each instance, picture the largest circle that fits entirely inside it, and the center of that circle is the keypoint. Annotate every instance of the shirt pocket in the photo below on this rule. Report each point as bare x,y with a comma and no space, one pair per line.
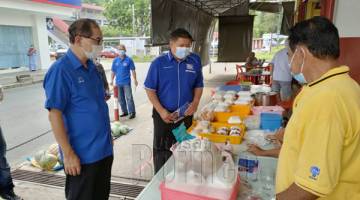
169,75
190,76
85,95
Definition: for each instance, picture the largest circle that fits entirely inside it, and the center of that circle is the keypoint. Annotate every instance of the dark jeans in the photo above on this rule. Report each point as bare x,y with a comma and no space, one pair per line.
6,183
126,99
164,139
93,183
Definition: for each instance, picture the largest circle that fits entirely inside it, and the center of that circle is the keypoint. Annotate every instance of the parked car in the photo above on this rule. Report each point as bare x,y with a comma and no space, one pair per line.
109,52
52,52
60,53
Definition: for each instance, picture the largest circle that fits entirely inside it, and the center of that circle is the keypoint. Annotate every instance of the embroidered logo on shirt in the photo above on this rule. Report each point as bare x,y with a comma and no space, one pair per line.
125,64
81,79
315,171
191,71
189,67
168,67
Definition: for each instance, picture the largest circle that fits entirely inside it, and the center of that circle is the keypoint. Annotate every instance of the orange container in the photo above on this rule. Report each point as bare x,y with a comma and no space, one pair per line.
222,138
241,111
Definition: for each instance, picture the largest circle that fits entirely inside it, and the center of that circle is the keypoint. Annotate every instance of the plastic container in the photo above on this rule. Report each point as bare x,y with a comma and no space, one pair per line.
252,122
270,121
257,110
171,194
241,111
222,138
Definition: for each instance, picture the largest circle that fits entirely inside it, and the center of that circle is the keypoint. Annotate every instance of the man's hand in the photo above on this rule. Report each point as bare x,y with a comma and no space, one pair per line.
72,163
167,117
191,109
255,150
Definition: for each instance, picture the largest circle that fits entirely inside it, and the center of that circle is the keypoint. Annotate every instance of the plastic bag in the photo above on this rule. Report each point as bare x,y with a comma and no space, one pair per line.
181,134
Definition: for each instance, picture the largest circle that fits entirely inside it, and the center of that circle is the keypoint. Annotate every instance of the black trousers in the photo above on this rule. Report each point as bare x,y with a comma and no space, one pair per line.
164,139
93,183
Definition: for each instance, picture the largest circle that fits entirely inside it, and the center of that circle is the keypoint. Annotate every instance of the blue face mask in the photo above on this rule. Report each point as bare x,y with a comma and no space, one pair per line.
182,52
122,52
300,76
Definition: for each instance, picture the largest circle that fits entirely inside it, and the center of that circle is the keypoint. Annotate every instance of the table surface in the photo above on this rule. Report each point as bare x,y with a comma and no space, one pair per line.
152,190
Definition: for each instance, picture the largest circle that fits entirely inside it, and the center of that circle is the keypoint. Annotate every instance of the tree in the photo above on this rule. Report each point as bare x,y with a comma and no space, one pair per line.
97,2
265,23
120,15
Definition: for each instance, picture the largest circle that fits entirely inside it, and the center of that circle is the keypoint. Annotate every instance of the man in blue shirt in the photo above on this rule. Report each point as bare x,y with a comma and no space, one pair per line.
79,115
174,80
121,67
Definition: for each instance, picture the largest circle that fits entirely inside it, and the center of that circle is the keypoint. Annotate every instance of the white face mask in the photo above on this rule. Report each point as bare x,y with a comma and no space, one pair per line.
182,52
96,49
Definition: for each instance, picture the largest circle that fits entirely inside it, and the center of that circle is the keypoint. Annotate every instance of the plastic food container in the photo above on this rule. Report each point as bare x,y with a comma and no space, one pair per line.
211,193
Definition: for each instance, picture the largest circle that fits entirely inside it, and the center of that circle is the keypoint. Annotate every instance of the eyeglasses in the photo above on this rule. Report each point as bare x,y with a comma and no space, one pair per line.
98,40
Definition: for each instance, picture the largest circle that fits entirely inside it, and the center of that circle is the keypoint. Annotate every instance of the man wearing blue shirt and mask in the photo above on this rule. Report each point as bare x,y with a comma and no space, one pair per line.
79,115
121,67
174,80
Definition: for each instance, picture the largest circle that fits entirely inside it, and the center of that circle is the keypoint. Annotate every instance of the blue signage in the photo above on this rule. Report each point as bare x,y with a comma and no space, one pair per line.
66,3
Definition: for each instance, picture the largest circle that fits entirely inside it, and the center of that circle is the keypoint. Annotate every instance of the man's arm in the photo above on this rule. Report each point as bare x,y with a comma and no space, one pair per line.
254,149
165,115
195,103
294,192
134,76
112,78
71,160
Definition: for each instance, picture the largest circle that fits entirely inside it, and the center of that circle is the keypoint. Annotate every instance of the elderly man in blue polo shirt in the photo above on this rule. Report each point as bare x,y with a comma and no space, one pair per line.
121,67
79,115
174,79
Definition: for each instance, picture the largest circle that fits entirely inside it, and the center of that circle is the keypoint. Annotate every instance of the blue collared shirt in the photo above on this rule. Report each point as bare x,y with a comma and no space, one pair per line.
121,69
79,93
173,81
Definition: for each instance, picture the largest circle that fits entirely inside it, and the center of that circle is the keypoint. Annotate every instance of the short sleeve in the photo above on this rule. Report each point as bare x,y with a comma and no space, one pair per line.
199,83
113,66
57,91
152,78
319,164
132,65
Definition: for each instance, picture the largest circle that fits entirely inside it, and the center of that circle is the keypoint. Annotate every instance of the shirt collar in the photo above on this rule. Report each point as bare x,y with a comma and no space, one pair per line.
333,72
76,62
122,59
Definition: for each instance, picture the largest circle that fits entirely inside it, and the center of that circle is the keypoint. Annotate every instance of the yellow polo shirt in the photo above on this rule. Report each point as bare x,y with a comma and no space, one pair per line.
321,150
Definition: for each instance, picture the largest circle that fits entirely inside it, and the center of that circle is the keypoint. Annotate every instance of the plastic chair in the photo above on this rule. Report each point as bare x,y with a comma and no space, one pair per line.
240,75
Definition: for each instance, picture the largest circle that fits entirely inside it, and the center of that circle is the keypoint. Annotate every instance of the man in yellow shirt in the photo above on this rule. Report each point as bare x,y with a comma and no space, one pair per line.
320,156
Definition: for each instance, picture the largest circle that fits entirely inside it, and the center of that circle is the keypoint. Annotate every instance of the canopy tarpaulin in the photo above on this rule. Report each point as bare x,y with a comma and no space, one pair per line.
168,15
288,17
235,38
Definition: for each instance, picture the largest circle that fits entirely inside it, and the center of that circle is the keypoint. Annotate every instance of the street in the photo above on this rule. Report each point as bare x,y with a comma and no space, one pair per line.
24,120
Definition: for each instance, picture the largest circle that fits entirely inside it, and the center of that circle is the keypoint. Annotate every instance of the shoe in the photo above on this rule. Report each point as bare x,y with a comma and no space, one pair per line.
132,116
124,115
10,196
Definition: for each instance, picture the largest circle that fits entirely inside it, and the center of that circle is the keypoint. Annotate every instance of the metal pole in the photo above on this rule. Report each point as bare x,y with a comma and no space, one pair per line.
116,103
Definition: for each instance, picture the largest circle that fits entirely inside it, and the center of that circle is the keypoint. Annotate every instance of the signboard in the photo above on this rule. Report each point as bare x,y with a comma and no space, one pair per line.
49,24
66,3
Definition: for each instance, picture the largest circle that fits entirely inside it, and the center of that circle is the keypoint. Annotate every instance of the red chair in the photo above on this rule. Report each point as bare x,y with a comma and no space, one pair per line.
240,76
